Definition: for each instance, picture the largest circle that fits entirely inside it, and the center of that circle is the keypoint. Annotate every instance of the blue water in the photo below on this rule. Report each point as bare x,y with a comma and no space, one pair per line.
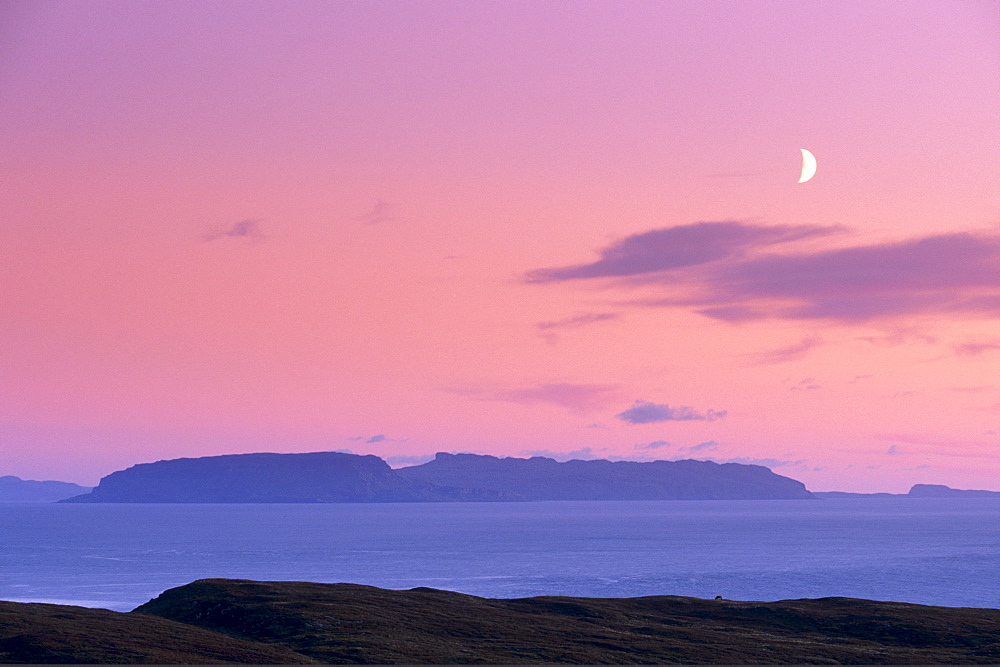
929,551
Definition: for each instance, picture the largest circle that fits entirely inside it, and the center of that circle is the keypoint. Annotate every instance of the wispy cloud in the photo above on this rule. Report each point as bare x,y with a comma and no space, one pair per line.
677,247
244,229
575,397
577,321
547,330
372,439
766,462
583,454
709,446
986,448
733,271
805,384
400,460
644,412
656,444
976,348
379,213
790,353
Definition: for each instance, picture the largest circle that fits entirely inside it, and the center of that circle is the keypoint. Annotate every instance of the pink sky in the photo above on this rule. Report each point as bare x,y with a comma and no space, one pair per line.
563,228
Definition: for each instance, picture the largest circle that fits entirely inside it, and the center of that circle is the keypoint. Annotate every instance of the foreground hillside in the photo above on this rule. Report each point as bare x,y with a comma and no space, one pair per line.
51,633
224,620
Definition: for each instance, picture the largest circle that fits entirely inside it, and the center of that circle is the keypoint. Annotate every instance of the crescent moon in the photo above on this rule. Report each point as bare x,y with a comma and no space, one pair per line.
808,166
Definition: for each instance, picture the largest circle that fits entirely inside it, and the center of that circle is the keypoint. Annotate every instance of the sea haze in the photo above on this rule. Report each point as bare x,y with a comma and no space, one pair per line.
117,556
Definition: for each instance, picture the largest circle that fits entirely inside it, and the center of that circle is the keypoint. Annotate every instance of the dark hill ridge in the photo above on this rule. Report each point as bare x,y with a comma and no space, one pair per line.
540,478
333,477
347,623
217,621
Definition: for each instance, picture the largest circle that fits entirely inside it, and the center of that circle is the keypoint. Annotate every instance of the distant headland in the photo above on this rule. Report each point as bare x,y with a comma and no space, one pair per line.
334,477
17,490
916,491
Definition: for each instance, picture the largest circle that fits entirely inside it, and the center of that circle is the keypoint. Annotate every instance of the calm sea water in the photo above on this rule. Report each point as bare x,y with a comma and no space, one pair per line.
944,552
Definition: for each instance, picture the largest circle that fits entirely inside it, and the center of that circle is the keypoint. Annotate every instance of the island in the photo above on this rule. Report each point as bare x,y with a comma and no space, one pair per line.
332,477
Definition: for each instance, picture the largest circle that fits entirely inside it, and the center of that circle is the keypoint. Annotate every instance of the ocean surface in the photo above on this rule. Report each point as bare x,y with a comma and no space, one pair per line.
928,551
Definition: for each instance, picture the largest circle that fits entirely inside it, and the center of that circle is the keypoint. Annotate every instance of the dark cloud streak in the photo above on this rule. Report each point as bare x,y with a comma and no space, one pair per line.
729,271
244,229
644,412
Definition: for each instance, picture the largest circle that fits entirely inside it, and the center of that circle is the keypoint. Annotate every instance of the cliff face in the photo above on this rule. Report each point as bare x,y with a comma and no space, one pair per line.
320,477
541,478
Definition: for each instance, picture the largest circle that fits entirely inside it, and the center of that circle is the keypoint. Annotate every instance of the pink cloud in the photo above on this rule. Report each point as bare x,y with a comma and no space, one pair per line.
976,348
677,247
728,271
575,397
644,412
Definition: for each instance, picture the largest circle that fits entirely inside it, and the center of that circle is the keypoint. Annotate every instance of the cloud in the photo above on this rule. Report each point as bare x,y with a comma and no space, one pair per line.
709,446
645,413
244,229
892,451
790,353
547,329
766,462
378,214
577,321
805,384
400,460
677,247
976,348
656,444
369,440
575,397
732,271
584,454
985,448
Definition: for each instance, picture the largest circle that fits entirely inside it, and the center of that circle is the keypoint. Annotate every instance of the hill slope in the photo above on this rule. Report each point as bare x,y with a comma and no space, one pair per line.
57,634
346,623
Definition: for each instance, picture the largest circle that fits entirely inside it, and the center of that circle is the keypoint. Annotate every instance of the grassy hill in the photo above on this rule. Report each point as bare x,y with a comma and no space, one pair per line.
214,621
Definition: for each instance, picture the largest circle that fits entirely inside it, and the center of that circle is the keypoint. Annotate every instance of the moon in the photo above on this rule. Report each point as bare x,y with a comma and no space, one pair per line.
808,166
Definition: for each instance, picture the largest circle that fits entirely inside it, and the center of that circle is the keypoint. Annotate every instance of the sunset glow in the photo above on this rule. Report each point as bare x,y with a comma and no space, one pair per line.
569,229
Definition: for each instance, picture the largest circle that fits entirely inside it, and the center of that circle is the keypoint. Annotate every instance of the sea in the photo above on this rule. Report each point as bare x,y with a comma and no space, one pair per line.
117,556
